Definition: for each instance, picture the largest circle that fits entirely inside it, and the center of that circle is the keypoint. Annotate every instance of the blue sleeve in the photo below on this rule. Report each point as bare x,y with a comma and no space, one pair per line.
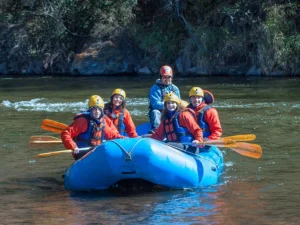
177,92
155,98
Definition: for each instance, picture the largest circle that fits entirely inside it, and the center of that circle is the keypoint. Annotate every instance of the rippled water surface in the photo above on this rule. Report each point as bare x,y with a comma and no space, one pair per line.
250,191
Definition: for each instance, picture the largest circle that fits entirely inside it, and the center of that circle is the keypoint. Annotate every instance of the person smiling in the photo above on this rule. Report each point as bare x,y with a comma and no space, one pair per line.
206,116
119,115
90,128
177,123
157,93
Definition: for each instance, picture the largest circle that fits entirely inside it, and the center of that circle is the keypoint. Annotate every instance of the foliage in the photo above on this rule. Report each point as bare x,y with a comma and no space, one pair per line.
281,46
57,28
158,32
214,34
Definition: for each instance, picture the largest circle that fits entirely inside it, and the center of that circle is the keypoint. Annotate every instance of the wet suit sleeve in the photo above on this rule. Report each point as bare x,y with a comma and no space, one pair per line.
212,118
188,121
129,125
159,133
110,130
77,127
177,92
155,98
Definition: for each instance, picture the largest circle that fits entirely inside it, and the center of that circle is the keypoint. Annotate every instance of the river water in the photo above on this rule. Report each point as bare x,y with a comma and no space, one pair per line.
250,191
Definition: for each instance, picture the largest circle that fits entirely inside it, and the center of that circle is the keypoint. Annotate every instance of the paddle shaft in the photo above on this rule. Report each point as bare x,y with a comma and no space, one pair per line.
48,154
44,140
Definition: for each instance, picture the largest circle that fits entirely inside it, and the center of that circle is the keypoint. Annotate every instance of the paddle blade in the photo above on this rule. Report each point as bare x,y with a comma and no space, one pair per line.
48,154
44,140
241,137
248,149
53,126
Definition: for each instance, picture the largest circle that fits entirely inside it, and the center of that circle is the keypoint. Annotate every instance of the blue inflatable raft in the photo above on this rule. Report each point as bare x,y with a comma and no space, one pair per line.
146,159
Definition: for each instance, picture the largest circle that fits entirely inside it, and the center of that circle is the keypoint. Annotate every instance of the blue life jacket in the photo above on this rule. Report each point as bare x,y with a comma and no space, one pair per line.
94,135
202,123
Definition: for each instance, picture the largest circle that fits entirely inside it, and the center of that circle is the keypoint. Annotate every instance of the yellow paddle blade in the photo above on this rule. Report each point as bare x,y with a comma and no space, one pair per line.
241,137
53,126
44,140
53,129
47,154
248,149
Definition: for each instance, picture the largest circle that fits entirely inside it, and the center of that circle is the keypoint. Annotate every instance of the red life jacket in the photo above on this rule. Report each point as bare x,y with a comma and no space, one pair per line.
169,129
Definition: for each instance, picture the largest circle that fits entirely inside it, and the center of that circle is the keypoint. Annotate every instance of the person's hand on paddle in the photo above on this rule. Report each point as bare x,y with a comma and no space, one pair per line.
76,151
205,139
197,144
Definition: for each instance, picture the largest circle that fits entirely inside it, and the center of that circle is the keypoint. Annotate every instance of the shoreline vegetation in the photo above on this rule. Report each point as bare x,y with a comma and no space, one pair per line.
194,37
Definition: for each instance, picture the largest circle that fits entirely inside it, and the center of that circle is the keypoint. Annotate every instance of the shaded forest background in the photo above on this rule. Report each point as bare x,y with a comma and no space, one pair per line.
195,37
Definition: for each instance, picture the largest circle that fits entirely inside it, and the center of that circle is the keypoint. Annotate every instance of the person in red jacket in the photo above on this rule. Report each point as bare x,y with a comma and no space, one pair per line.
177,123
206,116
118,114
89,129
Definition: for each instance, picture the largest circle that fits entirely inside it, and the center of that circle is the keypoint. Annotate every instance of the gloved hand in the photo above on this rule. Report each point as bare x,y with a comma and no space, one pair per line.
76,150
145,135
197,144
206,139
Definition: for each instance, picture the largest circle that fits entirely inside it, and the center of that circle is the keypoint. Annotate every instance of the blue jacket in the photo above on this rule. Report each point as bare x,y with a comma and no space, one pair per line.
158,92
202,123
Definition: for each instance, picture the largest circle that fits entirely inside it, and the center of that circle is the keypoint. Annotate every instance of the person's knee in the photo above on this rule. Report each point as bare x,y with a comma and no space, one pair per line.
156,113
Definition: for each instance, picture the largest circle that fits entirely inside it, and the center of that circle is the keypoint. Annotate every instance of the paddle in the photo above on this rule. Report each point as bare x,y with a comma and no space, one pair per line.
44,140
242,148
48,154
241,137
248,149
53,126
222,143
219,143
245,149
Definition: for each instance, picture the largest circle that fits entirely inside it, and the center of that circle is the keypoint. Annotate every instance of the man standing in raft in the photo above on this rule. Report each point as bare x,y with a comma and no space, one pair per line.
206,116
157,93
89,129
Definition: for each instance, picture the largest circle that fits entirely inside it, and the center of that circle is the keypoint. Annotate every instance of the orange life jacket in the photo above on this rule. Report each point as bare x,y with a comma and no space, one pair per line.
94,135
176,133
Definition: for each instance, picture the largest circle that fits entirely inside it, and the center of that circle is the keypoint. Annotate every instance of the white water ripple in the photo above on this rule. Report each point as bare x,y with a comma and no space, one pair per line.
42,104
138,106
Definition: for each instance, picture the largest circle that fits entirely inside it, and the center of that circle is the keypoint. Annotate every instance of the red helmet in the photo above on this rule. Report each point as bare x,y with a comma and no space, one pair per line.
166,71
